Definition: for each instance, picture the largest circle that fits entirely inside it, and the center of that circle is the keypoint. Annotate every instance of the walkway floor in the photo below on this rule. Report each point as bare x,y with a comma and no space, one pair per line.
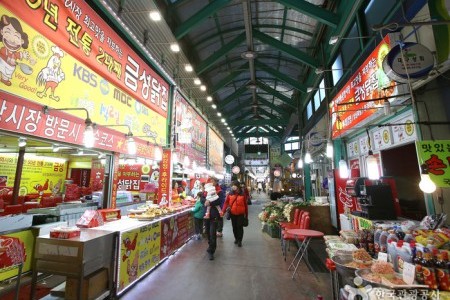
255,271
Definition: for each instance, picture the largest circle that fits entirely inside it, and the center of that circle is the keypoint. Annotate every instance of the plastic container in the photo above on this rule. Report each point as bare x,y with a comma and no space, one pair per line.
376,238
404,254
392,236
408,237
383,241
391,251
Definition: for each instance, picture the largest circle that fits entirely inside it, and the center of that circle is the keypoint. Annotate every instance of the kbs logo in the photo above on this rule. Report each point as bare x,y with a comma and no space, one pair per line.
85,75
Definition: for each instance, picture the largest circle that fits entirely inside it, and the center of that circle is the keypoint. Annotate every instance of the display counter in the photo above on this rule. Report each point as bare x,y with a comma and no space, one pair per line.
145,244
66,212
77,258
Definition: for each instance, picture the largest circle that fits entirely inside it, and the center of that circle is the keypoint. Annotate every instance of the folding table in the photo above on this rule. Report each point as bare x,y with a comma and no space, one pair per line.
302,238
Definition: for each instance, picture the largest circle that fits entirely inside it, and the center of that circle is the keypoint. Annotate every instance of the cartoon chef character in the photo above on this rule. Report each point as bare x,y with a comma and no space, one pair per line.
13,38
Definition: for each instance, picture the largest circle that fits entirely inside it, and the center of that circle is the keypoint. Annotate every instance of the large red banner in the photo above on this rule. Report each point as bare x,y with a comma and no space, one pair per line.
351,106
21,116
76,28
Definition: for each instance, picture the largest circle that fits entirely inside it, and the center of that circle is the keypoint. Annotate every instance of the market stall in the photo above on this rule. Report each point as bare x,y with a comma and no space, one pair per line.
397,259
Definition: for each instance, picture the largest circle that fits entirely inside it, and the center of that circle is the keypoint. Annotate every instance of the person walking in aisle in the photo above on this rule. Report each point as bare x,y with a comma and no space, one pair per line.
236,200
199,211
221,194
211,224
259,187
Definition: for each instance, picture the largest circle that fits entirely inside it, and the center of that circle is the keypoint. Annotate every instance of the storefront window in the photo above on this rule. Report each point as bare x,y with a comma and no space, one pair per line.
337,70
309,110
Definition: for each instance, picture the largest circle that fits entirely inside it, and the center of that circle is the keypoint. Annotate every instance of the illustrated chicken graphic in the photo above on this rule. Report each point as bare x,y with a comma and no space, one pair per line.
51,75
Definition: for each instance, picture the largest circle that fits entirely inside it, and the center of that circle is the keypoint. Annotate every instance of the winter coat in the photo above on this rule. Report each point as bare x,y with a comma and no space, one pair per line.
199,209
238,204
221,195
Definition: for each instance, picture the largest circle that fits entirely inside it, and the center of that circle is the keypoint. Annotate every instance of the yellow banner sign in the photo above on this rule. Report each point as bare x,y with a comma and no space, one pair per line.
39,175
139,252
46,74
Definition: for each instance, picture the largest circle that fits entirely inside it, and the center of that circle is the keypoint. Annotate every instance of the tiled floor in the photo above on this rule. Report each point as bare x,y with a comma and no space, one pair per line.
255,271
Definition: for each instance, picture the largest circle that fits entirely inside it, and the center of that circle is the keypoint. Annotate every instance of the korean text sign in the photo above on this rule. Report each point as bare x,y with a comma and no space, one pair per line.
77,29
348,107
191,130
44,72
436,155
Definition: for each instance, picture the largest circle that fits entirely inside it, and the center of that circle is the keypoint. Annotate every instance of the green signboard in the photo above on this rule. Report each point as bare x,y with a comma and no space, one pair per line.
436,155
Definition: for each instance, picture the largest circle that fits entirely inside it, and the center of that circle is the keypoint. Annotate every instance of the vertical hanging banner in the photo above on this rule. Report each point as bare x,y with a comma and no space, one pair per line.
215,152
368,82
115,182
436,155
165,174
190,128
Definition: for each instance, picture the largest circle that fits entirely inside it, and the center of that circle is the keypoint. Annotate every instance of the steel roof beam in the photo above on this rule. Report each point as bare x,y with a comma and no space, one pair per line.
227,79
276,94
272,106
259,26
268,114
320,14
294,83
259,122
199,17
212,59
231,97
299,55
260,134
246,102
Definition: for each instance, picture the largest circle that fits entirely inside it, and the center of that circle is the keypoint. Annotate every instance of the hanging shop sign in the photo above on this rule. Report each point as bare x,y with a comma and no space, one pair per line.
190,128
165,171
348,108
408,61
79,31
215,152
436,155
229,159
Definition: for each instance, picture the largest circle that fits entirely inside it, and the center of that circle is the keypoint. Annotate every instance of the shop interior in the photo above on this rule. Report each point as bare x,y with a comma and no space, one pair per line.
401,164
59,173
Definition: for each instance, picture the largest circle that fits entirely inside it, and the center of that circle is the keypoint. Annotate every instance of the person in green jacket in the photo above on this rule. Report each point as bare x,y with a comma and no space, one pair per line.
199,212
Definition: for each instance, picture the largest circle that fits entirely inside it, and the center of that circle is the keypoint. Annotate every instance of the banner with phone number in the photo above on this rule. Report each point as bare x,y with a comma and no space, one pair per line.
436,155
77,29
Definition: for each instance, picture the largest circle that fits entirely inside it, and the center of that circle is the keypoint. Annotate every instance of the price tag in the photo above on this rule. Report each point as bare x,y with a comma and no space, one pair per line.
382,256
408,273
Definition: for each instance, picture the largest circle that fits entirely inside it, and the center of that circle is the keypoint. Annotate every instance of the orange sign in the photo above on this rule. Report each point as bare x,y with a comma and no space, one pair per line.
350,106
